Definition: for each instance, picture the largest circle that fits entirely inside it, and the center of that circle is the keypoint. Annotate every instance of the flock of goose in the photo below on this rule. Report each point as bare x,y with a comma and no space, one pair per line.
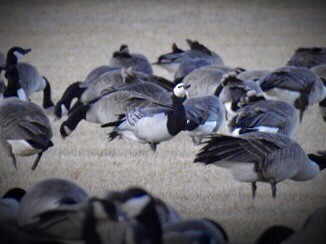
261,110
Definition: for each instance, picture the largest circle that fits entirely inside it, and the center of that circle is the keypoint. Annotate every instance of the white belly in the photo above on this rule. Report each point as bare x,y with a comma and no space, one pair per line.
282,94
268,129
22,148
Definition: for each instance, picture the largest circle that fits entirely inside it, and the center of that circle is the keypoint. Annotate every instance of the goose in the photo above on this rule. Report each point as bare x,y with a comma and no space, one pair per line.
232,90
320,70
296,85
275,235
260,156
9,205
123,58
25,129
253,75
153,124
258,114
106,107
194,231
308,57
30,79
171,61
113,79
205,116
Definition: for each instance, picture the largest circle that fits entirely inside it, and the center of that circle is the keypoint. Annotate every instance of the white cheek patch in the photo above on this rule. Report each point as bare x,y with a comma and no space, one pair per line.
134,206
67,130
22,148
179,92
267,129
18,55
64,110
99,212
22,94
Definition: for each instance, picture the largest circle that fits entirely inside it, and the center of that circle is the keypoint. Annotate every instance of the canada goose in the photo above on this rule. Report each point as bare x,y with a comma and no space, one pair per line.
38,207
296,85
124,59
153,124
29,78
25,129
320,70
308,57
232,90
194,231
113,79
253,157
171,61
253,75
106,107
205,116
258,114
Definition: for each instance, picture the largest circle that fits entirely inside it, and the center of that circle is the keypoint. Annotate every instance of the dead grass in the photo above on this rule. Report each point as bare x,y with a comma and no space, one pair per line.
70,38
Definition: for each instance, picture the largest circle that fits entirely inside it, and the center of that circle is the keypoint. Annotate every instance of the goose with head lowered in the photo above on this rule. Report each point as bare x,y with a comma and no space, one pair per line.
29,78
296,85
260,156
25,129
153,124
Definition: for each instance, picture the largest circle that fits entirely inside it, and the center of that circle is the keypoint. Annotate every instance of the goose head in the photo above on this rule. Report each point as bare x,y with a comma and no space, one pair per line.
15,54
181,90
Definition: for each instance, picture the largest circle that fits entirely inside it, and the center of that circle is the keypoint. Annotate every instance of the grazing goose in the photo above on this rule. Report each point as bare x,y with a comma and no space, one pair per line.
252,75
259,156
29,78
25,129
296,85
258,114
171,61
124,59
153,125
308,57
106,107
205,116
232,90
194,231
320,70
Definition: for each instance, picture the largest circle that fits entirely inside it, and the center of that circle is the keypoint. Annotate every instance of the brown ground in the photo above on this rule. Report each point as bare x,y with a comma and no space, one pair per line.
70,38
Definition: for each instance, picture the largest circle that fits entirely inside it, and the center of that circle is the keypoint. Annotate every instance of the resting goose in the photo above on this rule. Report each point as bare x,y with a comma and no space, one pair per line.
171,61
308,57
25,129
29,78
258,114
153,124
124,59
259,156
296,85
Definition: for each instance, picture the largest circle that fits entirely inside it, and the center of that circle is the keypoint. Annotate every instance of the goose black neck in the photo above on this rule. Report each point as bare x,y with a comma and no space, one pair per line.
177,117
150,219
12,76
11,59
318,159
78,115
47,99
89,232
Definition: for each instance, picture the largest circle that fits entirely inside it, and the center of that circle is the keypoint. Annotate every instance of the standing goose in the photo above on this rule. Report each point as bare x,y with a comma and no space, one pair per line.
124,59
153,125
258,114
29,78
205,116
106,107
296,85
194,231
232,90
308,57
259,156
171,61
25,129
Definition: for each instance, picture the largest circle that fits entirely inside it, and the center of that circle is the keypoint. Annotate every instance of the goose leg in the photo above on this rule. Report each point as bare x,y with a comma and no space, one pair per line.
253,189
37,160
273,184
153,146
14,161
194,141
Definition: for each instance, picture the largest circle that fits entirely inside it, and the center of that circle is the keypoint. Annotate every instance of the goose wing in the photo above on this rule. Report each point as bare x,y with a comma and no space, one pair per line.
139,113
23,120
252,147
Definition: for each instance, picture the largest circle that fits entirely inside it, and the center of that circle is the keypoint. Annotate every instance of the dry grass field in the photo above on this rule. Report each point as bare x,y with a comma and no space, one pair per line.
70,38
